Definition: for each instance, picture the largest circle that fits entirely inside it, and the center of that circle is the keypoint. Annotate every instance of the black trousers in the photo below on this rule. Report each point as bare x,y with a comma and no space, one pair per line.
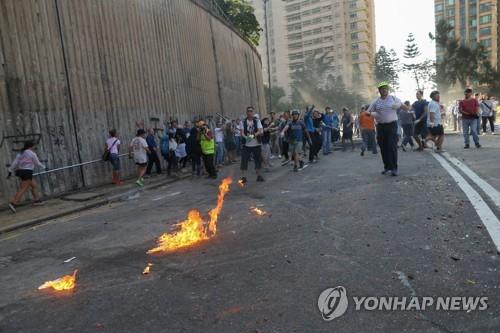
492,123
208,161
153,159
195,164
284,150
387,138
316,145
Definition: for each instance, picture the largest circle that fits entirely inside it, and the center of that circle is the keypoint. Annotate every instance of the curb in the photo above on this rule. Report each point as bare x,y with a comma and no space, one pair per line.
97,203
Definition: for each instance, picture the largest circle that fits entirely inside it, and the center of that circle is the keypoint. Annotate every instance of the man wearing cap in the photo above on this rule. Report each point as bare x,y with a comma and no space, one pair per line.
385,110
469,108
295,131
327,130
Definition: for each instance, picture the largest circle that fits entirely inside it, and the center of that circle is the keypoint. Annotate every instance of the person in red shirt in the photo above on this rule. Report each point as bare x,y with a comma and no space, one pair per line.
367,125
469,108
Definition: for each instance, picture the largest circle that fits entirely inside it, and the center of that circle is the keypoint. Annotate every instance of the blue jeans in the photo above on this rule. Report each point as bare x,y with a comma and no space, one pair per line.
327,140
368,137
219,157
472,124
237,140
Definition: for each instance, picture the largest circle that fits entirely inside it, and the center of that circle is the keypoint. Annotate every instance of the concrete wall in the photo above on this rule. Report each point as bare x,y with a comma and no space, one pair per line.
72,69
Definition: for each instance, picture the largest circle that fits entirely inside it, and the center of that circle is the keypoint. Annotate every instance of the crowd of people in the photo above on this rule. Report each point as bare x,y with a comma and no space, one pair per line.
294,137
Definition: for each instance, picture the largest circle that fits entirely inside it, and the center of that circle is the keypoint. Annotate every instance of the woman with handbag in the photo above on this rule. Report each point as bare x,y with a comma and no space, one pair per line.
23,166
111,154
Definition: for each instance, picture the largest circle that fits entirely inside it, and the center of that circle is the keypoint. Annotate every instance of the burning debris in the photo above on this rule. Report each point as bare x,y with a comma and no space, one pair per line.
241,183
194,229
147,269
258,211
66,282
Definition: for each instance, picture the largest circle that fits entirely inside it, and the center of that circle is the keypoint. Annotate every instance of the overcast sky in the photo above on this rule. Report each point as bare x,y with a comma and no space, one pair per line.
395,19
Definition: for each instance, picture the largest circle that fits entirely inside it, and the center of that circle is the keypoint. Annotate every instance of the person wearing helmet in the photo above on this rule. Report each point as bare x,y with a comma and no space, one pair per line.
251,133
295,132
385,110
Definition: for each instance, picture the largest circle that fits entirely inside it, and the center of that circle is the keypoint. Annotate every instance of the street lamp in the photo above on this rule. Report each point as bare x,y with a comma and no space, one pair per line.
270,101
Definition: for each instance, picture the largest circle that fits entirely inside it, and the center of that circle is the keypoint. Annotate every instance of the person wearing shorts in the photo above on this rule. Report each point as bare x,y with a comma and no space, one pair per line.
251,132
138,150
113,146
434,122
294,132
420,108
23,166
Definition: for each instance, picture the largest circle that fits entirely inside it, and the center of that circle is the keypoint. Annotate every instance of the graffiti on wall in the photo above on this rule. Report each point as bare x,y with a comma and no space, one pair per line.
18,139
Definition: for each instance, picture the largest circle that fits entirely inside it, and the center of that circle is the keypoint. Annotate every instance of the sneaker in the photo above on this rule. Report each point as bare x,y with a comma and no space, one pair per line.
394,173
260,179
478,145
403,148
285,162
467,146
385,171
243,180
12,207
139,182
295,169
362,153
38,202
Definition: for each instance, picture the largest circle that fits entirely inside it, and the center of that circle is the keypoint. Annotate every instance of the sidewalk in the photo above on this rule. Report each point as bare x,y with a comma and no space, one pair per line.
29,215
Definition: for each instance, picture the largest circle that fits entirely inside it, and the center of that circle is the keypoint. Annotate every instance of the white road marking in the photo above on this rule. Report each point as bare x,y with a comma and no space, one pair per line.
168,195
486,215
487,188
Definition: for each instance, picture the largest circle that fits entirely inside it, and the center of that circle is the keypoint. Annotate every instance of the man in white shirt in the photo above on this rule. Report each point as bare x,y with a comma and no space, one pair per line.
139,150
219,145
251,133
385,110
435,122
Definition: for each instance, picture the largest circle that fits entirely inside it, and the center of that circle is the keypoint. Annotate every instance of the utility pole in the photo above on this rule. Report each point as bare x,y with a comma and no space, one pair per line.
266,26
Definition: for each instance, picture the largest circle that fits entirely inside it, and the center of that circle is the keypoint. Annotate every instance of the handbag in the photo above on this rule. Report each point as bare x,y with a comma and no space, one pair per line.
107,152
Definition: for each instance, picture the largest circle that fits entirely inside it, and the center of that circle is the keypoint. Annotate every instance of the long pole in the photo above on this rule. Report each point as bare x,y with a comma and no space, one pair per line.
270,98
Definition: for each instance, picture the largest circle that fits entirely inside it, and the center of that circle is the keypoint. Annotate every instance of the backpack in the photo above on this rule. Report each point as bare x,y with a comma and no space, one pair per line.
164,145
245,129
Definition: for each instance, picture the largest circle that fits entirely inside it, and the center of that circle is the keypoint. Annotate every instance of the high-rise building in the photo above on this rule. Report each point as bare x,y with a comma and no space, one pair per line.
344,30
474,21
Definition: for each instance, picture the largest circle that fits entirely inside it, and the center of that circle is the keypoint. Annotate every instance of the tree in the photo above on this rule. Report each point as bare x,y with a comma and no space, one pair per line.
387,67
277,93
241,14
312,84
461,63
411,53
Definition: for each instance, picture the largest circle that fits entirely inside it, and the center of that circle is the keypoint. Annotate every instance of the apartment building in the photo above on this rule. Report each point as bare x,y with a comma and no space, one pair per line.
344,30
475,22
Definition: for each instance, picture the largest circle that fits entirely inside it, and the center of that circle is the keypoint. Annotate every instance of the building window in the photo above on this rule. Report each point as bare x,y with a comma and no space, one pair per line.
485,19
485,31
355,56
439,7
355,46
486,42
451,23
354,26
473,23
450,2
484,7
450,12
354,36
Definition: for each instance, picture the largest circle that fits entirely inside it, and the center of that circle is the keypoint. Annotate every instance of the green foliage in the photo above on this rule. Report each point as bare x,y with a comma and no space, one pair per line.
463,64
312,85
242,16
387,67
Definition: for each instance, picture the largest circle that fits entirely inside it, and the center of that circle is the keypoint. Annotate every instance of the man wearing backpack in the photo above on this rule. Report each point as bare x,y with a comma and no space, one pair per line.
295,131
251,133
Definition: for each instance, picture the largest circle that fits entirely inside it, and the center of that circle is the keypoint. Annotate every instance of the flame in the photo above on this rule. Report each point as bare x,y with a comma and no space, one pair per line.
66,282
194,229
147,269
258,211
241,183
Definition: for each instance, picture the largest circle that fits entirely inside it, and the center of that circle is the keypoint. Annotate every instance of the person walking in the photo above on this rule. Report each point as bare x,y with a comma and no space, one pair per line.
193,149
152,154
113,148
470,111
327,130
335,128
22,166
385,109
274,142
207,143
138,150
435,122
295,130
283,139
420,107
230,142
219,145
347,128
367,127
407,119
251,133
487,114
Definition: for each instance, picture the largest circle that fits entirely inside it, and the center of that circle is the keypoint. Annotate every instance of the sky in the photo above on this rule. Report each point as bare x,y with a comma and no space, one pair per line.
394,20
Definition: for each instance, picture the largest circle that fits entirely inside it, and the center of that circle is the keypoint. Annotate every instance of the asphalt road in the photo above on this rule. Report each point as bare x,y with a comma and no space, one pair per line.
336,223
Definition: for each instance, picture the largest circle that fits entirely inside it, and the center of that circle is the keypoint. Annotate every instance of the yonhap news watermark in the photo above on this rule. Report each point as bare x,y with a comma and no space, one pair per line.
334,302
